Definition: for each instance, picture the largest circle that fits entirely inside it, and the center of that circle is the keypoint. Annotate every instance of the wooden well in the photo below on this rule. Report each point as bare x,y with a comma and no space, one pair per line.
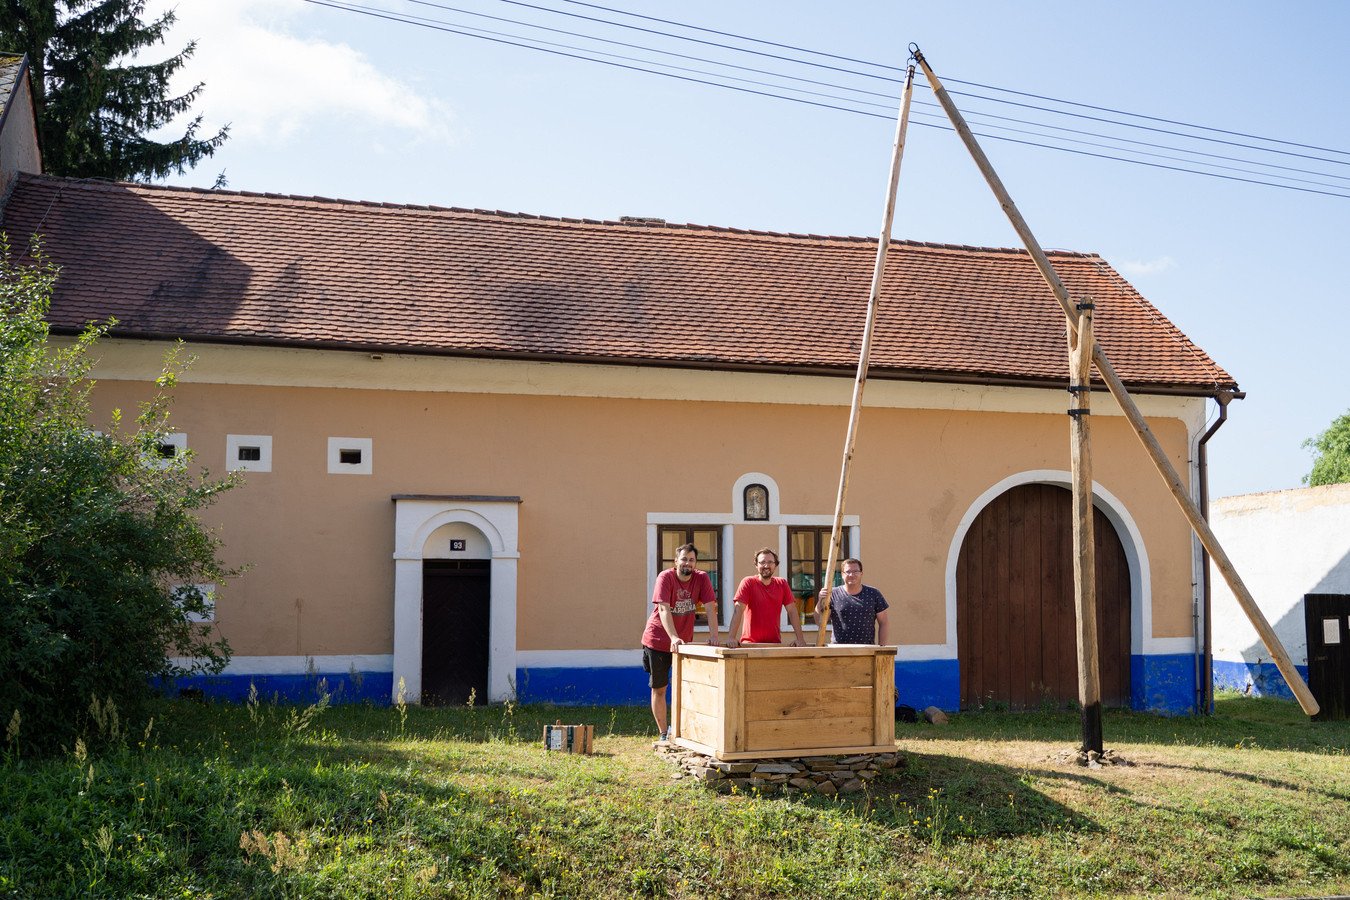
757,702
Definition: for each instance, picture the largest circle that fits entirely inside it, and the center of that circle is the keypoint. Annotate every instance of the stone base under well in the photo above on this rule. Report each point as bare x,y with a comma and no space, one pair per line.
827,775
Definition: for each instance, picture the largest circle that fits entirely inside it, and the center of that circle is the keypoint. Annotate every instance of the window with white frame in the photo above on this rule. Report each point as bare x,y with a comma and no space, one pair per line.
707,539
350,456
248,452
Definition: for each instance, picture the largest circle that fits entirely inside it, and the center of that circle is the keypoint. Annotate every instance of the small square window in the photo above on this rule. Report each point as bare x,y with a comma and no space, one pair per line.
248,452
169,448
350,456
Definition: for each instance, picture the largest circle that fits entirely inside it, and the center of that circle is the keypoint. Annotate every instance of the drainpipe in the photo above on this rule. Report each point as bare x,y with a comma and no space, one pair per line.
1204,662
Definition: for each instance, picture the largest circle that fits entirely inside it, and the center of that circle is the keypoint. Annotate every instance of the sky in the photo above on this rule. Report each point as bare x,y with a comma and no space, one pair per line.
327,102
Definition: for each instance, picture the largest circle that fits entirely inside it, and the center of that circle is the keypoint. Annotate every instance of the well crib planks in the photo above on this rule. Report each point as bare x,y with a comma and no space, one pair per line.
770,705
805,672
795,734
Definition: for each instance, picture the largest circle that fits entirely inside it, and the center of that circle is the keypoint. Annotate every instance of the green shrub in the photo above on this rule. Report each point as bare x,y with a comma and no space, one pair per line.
100,546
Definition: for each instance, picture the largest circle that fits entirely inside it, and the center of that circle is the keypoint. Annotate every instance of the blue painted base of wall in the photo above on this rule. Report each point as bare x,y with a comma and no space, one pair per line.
1164,683
929,682
1257,679
609,686
342,687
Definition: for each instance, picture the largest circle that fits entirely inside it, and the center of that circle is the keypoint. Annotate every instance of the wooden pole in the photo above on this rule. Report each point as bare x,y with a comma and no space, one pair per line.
1128,406
860,380
1085,556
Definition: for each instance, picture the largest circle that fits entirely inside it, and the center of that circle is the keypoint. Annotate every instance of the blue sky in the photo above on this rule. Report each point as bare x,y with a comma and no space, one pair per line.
330,103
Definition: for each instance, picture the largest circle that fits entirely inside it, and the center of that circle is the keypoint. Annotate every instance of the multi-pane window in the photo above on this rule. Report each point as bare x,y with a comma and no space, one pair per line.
808,555
708,540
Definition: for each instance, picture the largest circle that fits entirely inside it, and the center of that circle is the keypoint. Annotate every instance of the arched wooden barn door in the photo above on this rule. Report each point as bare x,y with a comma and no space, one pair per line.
1015,608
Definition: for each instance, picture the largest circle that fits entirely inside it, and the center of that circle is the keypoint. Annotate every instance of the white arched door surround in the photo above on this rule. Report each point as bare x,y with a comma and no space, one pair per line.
1141,593
416,518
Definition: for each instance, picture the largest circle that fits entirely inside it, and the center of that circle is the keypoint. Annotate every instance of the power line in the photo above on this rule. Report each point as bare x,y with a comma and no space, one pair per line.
710,79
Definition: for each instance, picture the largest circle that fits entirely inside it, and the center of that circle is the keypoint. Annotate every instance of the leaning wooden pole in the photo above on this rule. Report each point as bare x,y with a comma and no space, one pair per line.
1085,556
1128,406
860,381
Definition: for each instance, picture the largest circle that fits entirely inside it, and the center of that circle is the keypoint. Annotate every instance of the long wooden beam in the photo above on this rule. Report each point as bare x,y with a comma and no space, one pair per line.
1127,405
864,353
1085,555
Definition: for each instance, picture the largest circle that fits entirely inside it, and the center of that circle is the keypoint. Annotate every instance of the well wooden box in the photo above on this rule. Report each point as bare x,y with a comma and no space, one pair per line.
755,702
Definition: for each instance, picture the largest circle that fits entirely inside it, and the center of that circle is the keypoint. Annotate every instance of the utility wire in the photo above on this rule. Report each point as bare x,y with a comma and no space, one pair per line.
583,54
976,84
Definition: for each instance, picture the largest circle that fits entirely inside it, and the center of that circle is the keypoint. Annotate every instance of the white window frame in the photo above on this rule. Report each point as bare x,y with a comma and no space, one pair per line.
335,447
233,443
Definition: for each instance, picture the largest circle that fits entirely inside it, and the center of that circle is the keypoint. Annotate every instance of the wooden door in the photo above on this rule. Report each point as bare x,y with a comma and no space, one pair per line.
455,608
1327,617
1015,606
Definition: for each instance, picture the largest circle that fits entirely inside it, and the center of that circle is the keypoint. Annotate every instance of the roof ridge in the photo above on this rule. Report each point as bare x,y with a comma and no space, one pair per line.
608,224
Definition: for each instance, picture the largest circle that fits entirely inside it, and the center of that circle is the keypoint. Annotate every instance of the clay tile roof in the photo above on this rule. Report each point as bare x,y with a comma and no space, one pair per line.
301,271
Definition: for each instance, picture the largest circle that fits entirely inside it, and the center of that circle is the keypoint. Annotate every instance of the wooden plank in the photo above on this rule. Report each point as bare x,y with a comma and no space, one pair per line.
700,728
676,688
699,671
794,752
789,735
700,698
733,704
805,672
883,699
1019,607
808,703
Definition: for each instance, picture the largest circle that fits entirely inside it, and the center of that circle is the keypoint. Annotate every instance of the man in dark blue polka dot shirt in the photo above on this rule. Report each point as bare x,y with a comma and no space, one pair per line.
857,610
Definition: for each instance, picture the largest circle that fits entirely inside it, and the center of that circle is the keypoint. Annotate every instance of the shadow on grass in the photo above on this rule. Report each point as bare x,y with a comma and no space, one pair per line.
1266,723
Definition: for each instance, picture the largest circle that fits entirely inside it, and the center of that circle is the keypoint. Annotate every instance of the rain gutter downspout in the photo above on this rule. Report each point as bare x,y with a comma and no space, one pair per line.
1204,662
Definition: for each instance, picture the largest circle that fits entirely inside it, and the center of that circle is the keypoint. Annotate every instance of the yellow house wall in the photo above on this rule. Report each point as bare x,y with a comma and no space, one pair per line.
589,469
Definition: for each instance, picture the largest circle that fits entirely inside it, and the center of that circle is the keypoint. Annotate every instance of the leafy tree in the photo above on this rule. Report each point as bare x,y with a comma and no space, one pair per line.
98,534
1332,465
93,109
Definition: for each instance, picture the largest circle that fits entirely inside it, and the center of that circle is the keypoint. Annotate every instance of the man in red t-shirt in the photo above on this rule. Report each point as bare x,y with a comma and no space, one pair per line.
760,599
675,599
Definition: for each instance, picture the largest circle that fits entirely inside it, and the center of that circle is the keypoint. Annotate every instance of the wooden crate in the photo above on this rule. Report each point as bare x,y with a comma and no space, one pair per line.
755,702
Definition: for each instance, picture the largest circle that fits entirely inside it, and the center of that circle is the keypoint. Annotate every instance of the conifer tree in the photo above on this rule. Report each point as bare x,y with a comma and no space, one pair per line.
95,107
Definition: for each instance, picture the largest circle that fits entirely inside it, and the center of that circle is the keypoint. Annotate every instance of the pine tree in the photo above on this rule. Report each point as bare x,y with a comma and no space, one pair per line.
94,109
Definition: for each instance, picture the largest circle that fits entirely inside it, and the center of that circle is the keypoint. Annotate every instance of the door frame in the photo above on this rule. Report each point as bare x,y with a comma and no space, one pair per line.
416,517
1142,641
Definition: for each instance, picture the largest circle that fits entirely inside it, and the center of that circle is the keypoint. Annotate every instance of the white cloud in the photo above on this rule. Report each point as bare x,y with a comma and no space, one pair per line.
1141,268
272,83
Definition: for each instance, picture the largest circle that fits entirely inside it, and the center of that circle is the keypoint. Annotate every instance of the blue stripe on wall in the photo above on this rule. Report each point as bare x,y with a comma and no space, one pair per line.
1163,683
1261,679
342,687
584,686
929,682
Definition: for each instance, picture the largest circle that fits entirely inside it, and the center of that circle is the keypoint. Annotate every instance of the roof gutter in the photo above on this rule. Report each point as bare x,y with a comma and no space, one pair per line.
1204,655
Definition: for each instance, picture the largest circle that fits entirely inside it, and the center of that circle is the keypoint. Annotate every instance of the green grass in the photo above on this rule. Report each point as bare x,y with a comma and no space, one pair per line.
228,801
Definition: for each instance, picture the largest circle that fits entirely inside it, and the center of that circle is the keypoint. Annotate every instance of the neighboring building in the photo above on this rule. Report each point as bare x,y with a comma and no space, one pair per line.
18,130
472,439
1292,549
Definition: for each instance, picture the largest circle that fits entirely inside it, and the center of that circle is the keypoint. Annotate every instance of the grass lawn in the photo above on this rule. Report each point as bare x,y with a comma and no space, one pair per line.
268,801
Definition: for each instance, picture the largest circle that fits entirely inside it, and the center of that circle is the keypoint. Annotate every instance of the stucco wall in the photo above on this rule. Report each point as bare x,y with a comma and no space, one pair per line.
591,465
1284,544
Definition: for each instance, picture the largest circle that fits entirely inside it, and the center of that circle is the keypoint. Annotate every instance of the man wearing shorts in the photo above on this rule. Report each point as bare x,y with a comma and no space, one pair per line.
675,599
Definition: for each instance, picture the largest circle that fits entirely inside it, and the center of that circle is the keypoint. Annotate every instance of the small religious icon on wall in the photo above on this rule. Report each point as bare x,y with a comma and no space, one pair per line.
757,503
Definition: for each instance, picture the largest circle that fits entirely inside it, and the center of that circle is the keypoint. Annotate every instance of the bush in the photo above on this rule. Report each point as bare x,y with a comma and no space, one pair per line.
100,546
